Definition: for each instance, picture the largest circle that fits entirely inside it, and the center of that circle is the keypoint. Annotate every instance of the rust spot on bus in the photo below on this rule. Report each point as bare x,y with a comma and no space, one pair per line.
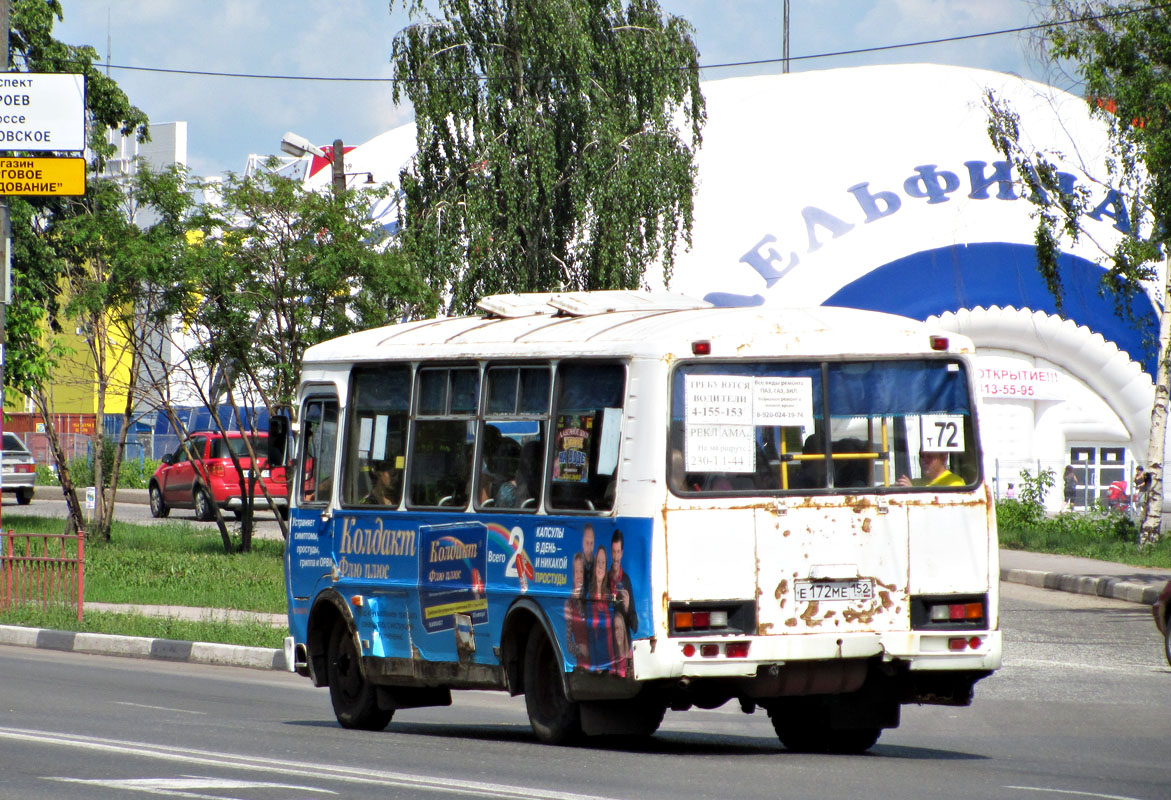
763,628
858,503
864,615
791,622
811,612
866,525
782,589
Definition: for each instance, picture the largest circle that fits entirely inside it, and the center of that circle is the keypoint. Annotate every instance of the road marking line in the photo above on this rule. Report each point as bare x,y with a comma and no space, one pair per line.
185,786
1054,790
160,708
345,774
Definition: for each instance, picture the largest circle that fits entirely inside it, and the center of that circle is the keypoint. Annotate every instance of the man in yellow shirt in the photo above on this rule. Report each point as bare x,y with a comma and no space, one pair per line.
933,467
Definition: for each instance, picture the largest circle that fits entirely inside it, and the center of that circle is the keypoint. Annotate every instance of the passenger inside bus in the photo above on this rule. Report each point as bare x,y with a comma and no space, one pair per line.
383,491
933,466
522,490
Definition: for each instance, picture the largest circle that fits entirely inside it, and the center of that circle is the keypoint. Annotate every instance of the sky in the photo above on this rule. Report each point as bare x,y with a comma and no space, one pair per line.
230,117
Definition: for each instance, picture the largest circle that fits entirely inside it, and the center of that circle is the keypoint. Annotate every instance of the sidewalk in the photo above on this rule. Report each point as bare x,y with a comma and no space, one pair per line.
1043,570
1083,576
162,649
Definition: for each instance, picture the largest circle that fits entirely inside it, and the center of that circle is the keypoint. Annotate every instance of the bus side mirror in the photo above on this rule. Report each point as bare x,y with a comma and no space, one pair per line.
278,439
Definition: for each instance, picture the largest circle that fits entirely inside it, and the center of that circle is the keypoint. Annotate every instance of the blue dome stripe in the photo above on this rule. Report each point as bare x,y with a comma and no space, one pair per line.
1000,274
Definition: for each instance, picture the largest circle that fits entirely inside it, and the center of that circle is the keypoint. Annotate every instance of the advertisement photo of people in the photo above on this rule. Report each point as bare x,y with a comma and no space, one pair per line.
600,613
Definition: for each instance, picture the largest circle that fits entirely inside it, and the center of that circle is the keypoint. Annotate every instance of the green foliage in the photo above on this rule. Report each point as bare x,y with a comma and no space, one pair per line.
132,473
555,143
32,48
1099,534
1122,53
1034,489
36,261
1028,508
279,269
175,563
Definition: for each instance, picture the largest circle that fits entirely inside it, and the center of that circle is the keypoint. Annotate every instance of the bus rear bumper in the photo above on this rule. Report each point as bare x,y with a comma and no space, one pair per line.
920,651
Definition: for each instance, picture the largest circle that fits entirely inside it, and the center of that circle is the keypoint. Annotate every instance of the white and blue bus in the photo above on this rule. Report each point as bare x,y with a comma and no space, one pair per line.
619,503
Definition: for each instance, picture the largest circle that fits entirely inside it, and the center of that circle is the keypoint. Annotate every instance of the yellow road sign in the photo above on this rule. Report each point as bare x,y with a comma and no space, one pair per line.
42,176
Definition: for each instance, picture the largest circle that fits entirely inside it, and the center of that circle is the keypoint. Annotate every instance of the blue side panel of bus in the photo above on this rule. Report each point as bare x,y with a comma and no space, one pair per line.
437,587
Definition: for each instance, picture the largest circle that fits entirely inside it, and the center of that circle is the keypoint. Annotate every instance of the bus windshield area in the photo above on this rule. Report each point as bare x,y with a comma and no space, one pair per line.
829,426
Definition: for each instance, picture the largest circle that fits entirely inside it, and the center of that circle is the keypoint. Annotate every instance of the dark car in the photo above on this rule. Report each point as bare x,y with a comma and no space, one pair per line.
1162,611
20,470
208,477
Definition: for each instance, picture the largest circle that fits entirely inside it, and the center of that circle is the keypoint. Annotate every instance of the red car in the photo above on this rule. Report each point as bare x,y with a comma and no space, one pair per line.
1162,611
211,478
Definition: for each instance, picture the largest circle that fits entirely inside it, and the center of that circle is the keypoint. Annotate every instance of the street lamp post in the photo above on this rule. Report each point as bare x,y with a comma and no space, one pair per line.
338,165
298,146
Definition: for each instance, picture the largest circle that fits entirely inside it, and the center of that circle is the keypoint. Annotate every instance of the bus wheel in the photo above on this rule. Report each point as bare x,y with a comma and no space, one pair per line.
554,717
807,736
354,700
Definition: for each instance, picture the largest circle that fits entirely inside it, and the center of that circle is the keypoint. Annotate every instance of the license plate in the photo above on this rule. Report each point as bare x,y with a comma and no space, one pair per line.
829,591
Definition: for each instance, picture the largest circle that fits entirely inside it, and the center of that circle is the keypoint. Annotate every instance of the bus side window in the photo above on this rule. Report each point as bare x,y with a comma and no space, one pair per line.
319,443
512,438
587,427
444,441
374,457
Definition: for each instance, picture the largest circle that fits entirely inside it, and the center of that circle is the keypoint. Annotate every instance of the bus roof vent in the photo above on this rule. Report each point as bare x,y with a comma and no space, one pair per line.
581,304
511,306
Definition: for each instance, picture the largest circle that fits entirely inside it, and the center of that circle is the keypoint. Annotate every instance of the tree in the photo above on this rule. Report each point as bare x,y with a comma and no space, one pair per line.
555,143
113,281
1122,54
53,236
279,268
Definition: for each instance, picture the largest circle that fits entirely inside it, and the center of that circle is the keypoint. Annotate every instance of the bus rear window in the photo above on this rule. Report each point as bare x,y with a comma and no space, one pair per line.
794,427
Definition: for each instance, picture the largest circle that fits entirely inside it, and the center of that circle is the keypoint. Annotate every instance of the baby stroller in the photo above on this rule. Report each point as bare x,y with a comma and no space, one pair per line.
1116,497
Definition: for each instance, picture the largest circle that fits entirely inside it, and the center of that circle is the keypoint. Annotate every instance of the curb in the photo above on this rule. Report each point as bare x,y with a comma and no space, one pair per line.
106,644
1099,586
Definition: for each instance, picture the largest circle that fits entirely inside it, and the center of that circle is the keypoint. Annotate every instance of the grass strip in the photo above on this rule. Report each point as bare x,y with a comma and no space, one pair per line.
249,634
169,564
1103,536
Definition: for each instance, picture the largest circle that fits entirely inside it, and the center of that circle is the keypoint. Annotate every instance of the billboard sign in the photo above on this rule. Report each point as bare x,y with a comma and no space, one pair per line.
42,111
42,176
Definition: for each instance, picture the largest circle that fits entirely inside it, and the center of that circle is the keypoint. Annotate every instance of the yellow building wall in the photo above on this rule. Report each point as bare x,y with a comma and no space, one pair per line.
73,385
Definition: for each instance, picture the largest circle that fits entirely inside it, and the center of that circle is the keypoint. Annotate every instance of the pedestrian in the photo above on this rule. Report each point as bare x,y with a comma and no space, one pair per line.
1070,480
1010,493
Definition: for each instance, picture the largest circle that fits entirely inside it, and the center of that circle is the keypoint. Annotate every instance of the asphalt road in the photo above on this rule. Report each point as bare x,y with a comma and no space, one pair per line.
1079,710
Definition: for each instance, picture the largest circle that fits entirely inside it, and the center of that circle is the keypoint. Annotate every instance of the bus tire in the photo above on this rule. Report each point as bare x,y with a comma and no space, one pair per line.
805,735
555,718
355,702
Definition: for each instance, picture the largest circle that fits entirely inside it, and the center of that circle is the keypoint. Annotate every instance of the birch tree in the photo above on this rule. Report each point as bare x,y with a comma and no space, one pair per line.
555,143
1121,52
